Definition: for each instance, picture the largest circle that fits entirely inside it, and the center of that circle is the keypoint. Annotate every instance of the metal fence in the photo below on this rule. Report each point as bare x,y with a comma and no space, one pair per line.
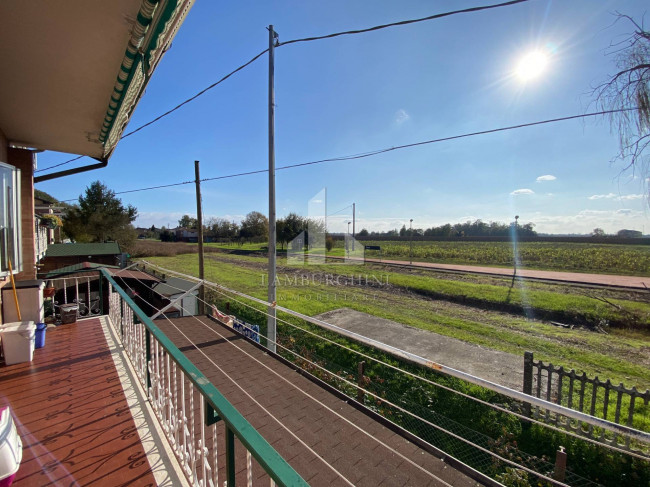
199,423
590,395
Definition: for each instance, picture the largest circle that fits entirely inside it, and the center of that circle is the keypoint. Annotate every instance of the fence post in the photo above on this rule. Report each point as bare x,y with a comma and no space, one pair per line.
528,380
361,368
559,472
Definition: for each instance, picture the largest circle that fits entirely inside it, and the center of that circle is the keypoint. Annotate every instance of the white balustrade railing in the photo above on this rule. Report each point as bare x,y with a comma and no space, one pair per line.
191,411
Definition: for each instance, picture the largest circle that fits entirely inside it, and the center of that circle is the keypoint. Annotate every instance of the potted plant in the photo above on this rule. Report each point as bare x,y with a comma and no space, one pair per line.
50,221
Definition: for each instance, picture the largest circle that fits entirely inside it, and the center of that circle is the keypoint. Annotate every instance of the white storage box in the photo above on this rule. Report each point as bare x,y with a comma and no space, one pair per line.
30,300
18,341
11,448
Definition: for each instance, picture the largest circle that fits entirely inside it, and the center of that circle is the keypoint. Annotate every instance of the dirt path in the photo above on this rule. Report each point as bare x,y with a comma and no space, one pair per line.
635,282
500,367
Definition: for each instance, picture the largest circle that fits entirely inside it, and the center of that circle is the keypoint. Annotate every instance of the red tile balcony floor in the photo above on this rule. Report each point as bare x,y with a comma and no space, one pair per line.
72,413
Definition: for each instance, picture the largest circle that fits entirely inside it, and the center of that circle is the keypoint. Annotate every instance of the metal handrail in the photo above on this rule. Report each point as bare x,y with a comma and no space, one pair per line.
270,460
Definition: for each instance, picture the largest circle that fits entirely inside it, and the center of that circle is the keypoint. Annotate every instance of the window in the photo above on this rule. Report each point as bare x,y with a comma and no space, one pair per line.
10,241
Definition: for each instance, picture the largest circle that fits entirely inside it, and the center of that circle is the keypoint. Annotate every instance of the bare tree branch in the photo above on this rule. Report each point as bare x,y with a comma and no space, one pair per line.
630,87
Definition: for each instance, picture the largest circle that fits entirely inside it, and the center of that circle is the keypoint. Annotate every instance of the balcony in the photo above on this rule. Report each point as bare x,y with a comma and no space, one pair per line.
115,400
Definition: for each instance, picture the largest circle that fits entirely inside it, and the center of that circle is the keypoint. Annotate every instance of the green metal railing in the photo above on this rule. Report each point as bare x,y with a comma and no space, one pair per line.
172,381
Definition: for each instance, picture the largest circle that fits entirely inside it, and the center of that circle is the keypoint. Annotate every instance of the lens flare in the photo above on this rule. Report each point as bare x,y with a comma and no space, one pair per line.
532,65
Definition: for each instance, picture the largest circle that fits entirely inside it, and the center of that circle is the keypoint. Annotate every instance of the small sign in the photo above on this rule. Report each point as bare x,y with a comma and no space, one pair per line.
251,332
372,247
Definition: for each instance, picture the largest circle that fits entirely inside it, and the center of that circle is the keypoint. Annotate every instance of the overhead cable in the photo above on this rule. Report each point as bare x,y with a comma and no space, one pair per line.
294,41
403,22
388,149
203,91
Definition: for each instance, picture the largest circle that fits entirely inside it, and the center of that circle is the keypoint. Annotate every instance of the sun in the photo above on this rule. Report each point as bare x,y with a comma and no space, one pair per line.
532,65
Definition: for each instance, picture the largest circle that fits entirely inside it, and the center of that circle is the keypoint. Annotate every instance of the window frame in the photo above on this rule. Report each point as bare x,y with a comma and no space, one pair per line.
10,219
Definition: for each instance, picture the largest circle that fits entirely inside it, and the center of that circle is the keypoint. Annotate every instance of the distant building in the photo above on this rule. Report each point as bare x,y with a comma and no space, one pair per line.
63,255
629,234
172,288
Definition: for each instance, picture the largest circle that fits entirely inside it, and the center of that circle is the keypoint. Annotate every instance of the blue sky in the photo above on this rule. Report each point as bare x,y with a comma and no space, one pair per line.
396,86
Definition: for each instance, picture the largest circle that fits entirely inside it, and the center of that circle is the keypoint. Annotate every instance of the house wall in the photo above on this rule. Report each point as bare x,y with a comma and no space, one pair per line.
25,160
3,157
3,147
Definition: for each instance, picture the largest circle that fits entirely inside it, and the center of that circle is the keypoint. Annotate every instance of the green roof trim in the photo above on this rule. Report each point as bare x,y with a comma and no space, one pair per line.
159,28
157,22
130,64
83,267
79,249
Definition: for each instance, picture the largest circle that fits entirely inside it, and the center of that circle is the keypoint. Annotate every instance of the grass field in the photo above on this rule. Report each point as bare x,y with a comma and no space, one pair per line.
620,355
611,341
574,257
578,257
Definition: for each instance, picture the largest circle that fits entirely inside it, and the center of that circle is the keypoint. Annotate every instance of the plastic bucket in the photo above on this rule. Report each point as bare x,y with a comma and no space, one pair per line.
18,341
39,338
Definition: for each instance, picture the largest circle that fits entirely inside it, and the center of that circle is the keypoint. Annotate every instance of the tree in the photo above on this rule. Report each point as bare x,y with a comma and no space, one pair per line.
629,90
290,227
99,217
222,228
598,232
254,226
363,233
188,222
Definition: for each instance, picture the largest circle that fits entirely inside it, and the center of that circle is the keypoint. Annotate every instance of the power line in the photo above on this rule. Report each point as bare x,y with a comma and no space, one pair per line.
294,41
388,149
337,212
403,22
168,112
60,164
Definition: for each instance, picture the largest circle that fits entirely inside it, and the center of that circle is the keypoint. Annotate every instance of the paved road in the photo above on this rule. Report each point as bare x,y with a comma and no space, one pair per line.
493,365
634,282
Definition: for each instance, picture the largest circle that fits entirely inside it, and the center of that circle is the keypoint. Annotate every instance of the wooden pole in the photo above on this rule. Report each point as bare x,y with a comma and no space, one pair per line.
199,224
13,286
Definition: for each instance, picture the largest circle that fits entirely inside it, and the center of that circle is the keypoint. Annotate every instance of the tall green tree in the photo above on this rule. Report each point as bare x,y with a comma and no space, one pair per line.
188,222
254,226
100,216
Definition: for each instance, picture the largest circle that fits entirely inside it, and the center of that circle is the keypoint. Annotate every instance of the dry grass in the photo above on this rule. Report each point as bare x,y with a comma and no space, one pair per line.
155,248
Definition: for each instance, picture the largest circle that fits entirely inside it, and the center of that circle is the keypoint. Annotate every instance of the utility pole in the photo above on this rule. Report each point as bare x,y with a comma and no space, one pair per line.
271,320
199,224
354,205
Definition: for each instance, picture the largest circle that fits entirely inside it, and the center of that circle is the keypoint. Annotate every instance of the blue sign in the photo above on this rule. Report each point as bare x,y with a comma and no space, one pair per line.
251,332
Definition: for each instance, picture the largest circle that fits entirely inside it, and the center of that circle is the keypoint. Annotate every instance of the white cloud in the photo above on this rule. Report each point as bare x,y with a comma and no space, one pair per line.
522,191
586,220
612,196
546,177
602,196
401,116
